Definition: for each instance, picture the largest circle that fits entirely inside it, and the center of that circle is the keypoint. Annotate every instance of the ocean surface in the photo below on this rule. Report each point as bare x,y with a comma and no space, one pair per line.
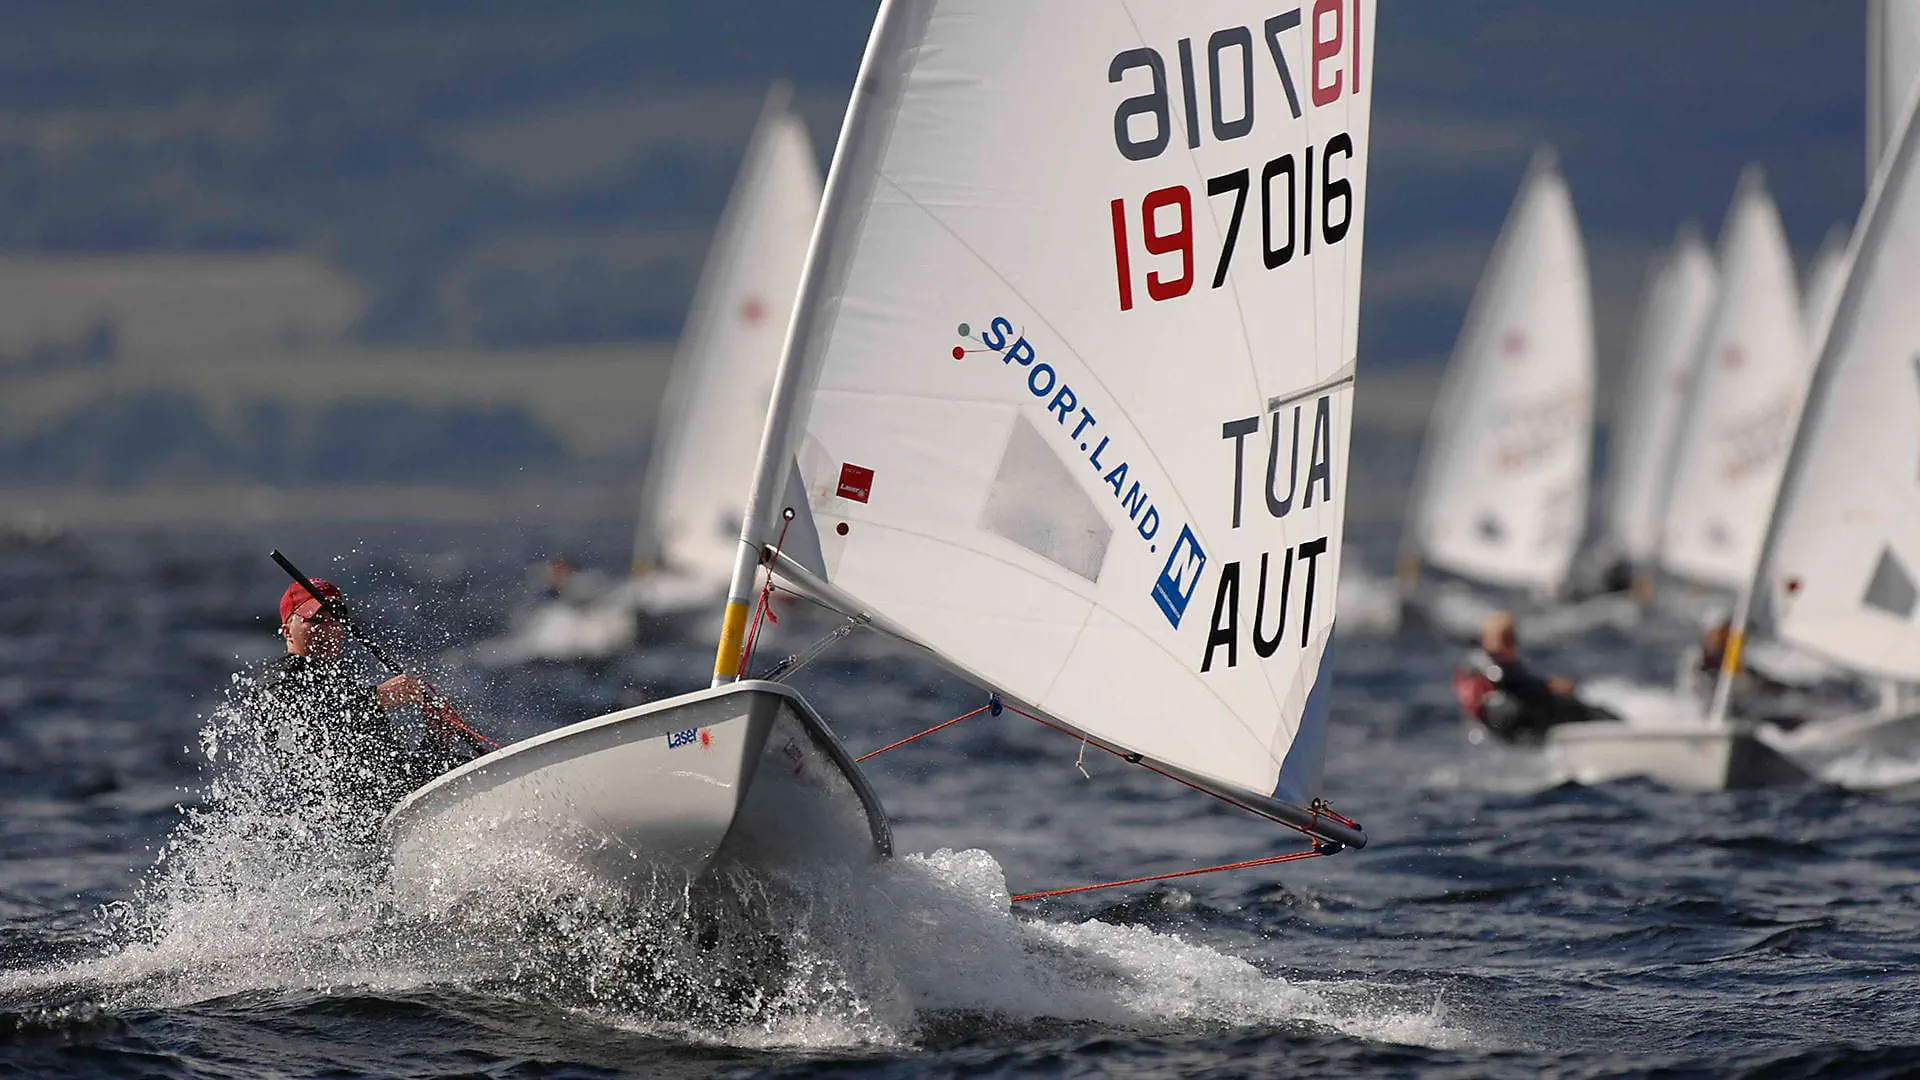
160,919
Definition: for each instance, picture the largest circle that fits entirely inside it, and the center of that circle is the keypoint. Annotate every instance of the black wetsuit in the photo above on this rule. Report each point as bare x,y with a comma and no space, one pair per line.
1521,707
339,753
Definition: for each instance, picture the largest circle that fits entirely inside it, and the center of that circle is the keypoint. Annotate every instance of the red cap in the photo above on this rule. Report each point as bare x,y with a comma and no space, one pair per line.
298,601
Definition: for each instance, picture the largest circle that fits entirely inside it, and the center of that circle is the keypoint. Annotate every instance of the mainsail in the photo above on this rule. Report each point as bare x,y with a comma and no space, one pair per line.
1070,380
1751,377
1842,574
1502,491
723,372
1893,65
1679,297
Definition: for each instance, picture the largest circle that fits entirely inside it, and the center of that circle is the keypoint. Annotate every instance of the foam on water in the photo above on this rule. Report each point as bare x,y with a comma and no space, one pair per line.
957,945
259,891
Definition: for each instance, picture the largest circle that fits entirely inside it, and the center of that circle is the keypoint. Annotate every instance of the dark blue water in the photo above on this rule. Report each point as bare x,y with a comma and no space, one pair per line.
1498,925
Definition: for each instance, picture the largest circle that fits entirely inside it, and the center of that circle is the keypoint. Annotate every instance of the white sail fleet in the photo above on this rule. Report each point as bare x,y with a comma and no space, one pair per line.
1754,458
1052,381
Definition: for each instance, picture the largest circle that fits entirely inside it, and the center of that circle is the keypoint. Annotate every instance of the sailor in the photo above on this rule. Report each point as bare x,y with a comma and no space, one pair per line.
1700,664
333,730
1499,692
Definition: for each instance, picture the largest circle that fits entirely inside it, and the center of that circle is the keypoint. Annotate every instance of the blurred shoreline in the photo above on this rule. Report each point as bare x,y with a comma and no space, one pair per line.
46,512
1391,405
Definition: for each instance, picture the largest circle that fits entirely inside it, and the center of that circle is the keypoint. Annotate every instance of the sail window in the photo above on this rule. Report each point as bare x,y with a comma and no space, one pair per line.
1891,588
1035,503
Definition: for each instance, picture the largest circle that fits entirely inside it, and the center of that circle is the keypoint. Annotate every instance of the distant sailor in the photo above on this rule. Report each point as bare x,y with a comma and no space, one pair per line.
1499,692
1699,670
340,750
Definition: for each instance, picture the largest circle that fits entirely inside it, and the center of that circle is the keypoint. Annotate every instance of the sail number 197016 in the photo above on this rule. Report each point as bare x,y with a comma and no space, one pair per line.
1299,193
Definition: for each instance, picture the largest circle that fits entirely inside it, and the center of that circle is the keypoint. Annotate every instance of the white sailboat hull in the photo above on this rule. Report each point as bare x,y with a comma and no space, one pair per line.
1692,756
743,775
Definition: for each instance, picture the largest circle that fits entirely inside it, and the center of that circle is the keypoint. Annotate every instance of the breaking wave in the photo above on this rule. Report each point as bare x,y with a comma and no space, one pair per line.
264,886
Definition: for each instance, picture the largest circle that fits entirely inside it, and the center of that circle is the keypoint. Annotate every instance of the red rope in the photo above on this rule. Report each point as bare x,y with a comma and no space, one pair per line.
762,611
1291,856
1320,808
929,731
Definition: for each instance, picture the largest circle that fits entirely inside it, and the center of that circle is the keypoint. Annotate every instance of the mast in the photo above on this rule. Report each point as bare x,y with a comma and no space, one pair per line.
792,381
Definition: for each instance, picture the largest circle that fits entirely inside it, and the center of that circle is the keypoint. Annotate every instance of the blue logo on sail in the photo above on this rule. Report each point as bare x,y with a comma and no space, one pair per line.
1180,577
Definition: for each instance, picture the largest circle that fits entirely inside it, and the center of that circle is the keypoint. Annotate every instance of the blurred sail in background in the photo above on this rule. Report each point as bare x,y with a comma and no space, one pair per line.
723,372
1502,493
1751,377
1679,297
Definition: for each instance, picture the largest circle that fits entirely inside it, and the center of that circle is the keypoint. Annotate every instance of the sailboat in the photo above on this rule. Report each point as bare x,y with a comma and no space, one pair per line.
1752,376
1678,299
722,374
1069,381
1501,492
689,523
1745,400
1840,575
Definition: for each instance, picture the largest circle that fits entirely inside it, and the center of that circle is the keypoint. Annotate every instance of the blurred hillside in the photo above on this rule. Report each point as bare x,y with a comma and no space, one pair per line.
436,244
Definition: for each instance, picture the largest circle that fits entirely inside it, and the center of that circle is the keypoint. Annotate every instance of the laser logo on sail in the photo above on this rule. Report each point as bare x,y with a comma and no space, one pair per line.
1180,577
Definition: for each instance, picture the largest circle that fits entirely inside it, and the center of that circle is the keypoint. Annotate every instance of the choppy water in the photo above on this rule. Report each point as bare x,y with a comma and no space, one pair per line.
1496,926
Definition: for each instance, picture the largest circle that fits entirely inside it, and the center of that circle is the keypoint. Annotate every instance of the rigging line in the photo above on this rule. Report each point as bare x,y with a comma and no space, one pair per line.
1291,856
1134,758
762,611
795,662
995,704
921,734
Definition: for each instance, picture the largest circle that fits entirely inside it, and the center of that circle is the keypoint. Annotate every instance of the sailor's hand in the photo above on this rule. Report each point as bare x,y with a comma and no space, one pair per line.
401,690
1561,685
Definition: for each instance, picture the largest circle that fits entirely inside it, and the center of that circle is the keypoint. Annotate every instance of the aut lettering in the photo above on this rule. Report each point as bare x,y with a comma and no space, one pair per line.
1224,629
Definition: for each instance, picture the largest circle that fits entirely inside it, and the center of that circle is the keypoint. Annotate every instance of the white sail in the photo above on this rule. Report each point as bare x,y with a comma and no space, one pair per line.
1083,272
723,371
1679,298
1824,277
1751,377
1893,65
1503,486
1844,553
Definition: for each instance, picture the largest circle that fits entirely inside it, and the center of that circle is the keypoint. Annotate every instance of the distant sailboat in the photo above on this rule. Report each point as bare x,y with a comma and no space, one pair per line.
702,453
1841,572
1746,399
1500,498
1679,298
1070,380
1752,376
